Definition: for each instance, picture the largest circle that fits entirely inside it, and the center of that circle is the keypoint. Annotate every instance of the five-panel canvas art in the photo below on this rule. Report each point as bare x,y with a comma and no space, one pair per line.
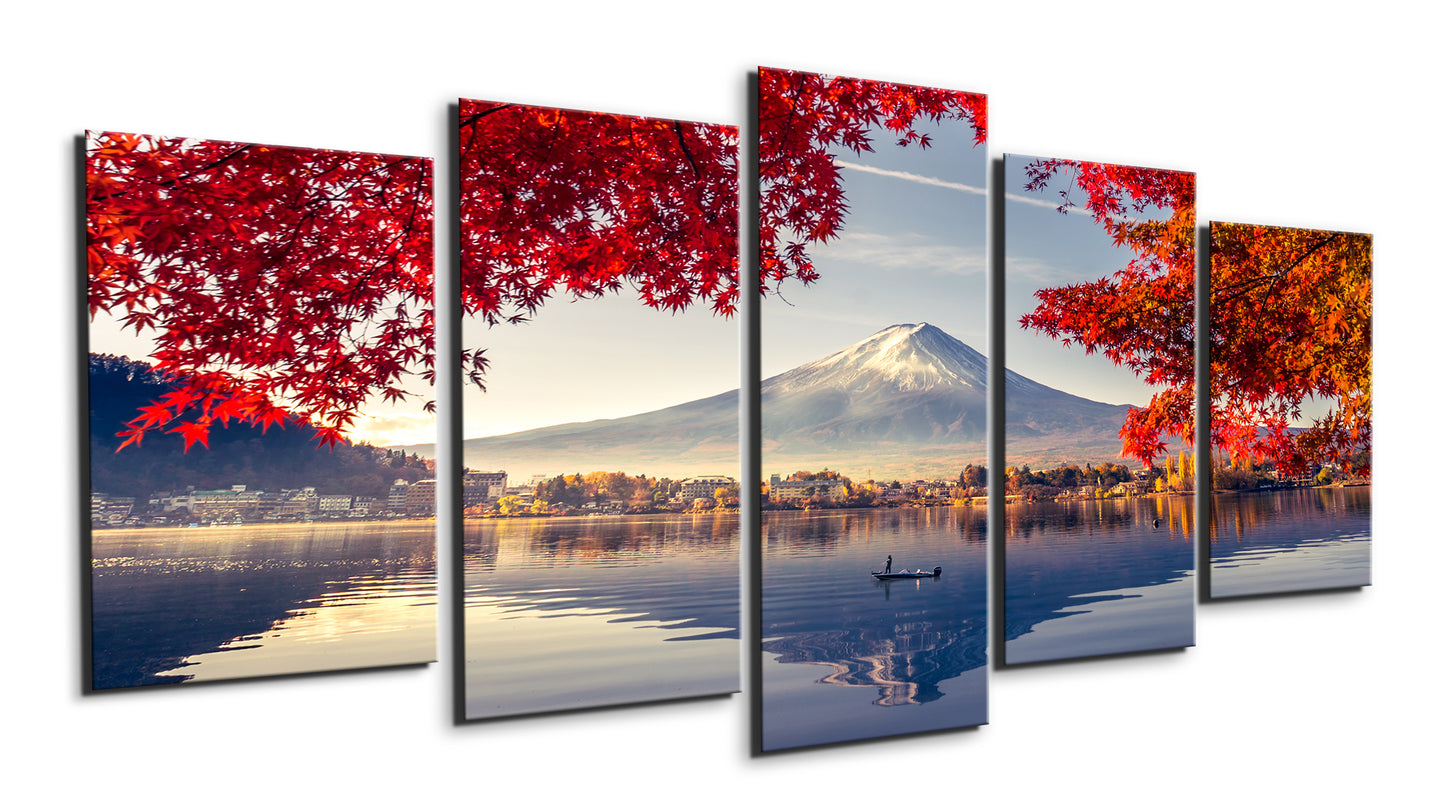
263,445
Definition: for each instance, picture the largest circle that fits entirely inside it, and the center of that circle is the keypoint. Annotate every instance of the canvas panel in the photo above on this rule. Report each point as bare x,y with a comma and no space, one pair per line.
600,408
1291,354
260,339
873,400
1099,298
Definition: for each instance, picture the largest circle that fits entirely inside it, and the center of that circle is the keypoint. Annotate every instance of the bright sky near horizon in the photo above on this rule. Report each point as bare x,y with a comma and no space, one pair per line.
589,359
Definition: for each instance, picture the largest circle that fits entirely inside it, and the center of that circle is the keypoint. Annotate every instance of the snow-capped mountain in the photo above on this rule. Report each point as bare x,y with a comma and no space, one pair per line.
909,400
903,358
912,391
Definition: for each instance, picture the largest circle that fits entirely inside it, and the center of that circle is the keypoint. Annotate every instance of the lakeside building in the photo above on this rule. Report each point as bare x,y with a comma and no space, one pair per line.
481,487
239,505
396,497
107,509
703,487
421,498
787,490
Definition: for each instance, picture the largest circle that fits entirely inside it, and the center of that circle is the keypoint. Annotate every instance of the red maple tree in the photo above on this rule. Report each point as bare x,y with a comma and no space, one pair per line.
285,280
1142,315
281,283
803,119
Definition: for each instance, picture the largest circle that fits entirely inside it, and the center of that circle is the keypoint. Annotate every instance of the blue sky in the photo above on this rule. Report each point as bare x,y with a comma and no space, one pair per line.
911,249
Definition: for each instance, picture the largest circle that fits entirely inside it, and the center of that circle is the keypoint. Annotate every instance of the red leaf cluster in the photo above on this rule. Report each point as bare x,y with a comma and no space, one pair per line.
1141,316
803,120
281,280
1290,319
563,200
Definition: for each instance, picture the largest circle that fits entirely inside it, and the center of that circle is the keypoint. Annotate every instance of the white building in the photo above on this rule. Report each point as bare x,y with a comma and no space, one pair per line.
703,487
479,487
801,489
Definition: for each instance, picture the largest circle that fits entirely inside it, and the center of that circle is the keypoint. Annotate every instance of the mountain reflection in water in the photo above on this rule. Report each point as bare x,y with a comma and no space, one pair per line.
904,660
904,640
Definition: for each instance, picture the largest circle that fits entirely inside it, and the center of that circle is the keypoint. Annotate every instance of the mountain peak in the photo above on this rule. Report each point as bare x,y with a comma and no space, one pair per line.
902,357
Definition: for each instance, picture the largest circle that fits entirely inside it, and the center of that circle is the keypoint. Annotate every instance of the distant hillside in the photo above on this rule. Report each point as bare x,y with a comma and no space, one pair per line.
238,455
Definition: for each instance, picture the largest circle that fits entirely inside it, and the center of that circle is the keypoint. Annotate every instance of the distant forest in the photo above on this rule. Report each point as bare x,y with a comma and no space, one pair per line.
278,459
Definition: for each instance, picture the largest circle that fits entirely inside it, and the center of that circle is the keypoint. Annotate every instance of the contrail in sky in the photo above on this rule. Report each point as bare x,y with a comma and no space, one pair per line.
946,184
909,176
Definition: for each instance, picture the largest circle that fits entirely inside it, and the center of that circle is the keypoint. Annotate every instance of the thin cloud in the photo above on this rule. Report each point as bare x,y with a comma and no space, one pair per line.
909,176
1038,270
948,184
902,252
1032,201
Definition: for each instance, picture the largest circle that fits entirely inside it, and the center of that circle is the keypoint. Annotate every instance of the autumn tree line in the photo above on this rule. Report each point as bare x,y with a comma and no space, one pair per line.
972,482
603,491
1175,473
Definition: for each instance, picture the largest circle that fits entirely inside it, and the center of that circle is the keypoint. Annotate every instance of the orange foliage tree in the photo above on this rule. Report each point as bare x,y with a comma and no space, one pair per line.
1142,315
1290,319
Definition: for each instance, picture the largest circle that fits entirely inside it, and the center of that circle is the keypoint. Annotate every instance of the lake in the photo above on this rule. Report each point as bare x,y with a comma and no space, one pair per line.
207,603
1266,542
847,657
1091,577
575,612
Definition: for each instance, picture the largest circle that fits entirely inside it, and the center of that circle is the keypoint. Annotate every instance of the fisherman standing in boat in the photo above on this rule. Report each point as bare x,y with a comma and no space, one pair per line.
888,565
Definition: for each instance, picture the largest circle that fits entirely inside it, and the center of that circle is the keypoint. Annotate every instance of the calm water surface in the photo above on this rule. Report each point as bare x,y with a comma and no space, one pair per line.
178,604
1289,541
582,612
848,657
1092,577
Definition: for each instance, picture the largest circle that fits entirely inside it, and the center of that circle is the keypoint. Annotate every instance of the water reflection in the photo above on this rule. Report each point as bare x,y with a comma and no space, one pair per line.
906,642
569,613
1288,541
170,605
1093,577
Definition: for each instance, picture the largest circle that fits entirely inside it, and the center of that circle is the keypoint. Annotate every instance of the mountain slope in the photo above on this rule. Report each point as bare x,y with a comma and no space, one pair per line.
909,400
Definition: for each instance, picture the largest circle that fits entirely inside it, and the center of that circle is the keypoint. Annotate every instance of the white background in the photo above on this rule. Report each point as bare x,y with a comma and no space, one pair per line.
1325,116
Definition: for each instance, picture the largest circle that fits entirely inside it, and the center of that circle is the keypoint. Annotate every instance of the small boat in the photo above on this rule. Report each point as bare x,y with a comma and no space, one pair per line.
901,574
